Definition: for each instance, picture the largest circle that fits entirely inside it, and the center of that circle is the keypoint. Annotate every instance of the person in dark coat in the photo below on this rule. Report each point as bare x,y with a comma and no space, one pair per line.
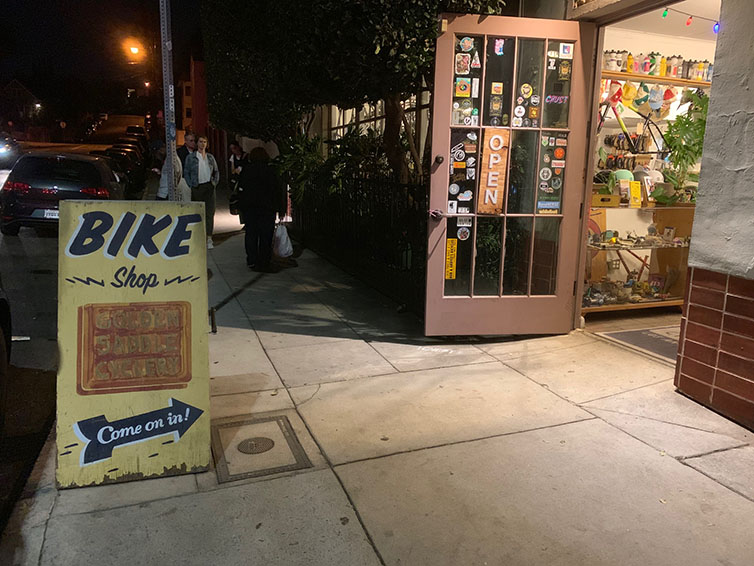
261,194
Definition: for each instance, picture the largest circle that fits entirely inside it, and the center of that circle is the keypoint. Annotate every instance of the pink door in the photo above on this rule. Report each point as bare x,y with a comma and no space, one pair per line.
511,104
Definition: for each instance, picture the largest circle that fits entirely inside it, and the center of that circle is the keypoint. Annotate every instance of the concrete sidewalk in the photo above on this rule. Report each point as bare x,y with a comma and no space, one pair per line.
391,448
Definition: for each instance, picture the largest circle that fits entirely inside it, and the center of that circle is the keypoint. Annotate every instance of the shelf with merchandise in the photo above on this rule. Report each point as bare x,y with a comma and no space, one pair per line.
654,79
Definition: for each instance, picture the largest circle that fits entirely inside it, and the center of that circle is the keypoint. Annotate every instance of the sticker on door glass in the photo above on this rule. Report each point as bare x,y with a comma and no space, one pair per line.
451,255
463,63
552,162
464,233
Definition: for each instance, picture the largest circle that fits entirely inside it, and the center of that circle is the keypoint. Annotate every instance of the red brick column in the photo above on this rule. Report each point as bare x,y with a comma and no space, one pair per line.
716,350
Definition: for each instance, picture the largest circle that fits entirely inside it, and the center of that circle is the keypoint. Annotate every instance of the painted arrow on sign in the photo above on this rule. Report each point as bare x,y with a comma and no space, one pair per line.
101,436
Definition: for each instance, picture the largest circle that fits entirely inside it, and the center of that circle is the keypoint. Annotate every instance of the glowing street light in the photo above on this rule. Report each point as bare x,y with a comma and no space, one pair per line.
134,50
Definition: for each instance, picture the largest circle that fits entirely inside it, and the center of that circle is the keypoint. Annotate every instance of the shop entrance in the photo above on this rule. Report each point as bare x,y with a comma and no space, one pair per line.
511,122
654,80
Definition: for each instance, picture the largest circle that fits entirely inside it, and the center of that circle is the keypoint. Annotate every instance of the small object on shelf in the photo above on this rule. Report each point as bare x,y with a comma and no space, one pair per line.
609,201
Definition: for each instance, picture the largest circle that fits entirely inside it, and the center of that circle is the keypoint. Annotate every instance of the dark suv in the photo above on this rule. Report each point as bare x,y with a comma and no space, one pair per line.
38,181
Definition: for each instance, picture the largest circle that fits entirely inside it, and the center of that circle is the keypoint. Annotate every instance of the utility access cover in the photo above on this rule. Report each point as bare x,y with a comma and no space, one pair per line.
249,447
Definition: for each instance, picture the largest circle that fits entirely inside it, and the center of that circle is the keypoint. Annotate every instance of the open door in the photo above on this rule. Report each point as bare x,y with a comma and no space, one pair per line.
511,122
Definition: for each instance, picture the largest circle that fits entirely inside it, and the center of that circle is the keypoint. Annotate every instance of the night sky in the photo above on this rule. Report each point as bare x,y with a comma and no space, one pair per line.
71,49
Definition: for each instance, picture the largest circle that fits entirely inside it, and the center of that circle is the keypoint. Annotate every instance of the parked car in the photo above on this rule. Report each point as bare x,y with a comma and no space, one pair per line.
132,153
131,146
126,177
5,344
136,130
38,181
9,150
139,141
137,170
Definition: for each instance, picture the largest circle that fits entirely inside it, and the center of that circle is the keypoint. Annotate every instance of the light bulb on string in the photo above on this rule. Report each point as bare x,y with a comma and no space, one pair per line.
665,13
691,19
716,27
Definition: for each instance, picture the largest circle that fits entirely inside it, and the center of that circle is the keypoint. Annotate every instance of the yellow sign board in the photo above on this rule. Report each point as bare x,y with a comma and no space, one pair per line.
492,170
450,258
133,380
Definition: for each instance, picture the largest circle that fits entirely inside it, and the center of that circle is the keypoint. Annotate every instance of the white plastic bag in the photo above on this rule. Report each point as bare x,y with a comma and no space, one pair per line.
281,243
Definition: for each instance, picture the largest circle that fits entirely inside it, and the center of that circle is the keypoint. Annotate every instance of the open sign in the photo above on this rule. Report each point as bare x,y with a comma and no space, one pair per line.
492,171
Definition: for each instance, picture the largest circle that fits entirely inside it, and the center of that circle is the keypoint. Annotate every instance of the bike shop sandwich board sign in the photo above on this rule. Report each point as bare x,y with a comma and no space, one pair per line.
133,378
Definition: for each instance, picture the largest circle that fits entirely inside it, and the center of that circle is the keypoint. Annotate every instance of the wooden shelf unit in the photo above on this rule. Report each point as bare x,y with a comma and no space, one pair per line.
634,306
655,79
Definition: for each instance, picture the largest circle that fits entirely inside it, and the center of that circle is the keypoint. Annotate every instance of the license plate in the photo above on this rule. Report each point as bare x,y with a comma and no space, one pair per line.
52,213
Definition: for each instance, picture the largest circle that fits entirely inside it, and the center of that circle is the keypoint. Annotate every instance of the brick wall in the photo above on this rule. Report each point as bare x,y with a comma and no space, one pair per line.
716,350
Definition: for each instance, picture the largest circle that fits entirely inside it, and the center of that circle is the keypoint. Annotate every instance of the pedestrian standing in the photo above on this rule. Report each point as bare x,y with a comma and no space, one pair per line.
237,158
163,190
189,146
261,194
202,175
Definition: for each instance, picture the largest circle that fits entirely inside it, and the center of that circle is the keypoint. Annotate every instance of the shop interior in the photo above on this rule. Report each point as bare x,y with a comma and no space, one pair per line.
656,74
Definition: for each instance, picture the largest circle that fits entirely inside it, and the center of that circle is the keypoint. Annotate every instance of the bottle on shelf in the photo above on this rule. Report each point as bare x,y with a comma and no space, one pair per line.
663,66
630,63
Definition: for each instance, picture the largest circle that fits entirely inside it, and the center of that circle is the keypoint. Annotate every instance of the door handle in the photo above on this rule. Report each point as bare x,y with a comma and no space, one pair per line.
439,159
436,214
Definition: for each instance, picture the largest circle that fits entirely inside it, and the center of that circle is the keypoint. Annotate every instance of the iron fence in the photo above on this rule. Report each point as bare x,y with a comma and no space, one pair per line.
375,229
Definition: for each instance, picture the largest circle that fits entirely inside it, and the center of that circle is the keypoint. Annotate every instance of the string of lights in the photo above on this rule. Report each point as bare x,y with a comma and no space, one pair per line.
691,17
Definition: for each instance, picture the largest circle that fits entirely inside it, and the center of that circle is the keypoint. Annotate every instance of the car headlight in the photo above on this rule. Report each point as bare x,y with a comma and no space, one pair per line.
4,149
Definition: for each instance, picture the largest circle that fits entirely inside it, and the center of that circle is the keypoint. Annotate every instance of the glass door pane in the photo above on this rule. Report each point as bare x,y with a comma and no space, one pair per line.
528,95
498,83
489,247
558,84
517,251
523,176
545,260
467,76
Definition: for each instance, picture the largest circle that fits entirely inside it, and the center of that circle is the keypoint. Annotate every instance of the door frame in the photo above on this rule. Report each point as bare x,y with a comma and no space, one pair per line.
477,318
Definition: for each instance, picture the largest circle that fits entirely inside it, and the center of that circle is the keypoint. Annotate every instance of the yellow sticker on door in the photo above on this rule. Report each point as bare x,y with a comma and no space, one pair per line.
451,252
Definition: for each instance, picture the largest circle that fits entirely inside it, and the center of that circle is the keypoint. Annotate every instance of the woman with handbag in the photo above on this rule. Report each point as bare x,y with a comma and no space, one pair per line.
261,195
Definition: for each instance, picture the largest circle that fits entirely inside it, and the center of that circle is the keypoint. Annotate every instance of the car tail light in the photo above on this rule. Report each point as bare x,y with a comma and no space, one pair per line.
16,187
99,192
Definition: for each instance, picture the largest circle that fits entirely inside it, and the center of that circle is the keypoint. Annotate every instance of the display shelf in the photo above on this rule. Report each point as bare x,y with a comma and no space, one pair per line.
652,208
676,302
618,75
629,248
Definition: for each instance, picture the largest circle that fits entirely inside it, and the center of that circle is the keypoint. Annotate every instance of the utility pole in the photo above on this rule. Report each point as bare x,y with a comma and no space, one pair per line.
168,95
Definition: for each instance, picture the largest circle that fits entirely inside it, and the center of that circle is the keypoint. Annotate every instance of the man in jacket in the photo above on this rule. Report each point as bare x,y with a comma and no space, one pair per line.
202,175
189,146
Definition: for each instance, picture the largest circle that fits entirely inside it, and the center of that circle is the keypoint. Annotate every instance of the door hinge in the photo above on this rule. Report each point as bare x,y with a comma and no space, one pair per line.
574,287
581,211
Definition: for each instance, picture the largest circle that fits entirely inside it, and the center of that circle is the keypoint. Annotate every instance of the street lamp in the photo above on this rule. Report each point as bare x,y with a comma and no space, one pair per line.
134,50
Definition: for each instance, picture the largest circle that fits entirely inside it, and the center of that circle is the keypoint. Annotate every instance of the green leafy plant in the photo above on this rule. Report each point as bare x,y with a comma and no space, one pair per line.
270,63
685,141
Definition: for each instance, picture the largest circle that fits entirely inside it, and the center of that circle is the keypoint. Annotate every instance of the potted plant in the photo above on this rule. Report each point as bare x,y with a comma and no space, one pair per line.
684,140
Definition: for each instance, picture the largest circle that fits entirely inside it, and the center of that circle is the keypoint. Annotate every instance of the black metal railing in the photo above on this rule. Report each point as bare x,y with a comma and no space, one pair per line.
375,229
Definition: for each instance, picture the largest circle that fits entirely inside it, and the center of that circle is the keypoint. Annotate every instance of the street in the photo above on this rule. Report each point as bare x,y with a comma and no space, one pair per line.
28,268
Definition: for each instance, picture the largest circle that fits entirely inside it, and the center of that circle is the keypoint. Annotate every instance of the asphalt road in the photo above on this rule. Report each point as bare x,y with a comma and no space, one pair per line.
29,270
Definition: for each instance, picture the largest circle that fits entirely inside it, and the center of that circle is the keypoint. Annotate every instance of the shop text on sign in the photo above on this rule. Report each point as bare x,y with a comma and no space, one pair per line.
493,170
129,238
